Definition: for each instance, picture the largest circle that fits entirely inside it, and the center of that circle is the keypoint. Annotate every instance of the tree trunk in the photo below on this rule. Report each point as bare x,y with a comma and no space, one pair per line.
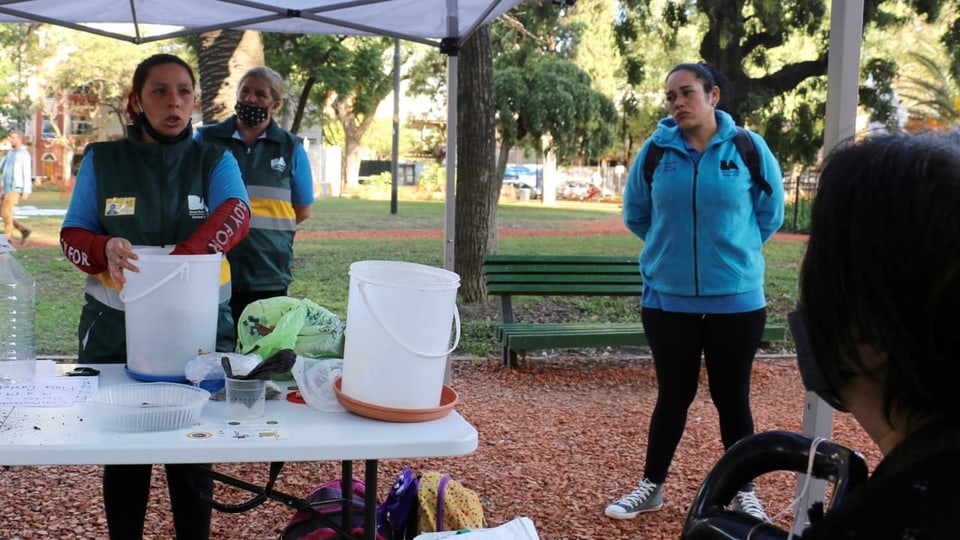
225,55
302,104
478,187
353,131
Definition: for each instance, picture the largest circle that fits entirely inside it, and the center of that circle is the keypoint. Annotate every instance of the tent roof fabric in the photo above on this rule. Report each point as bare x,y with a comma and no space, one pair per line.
425,21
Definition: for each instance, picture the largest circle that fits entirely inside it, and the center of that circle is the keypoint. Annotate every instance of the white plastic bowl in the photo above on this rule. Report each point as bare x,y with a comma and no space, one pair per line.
155,406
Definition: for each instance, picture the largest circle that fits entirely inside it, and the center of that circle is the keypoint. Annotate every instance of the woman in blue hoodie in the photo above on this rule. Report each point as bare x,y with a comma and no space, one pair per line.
703,219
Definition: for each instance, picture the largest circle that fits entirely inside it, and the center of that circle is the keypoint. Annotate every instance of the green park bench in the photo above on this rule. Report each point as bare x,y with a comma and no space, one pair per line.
507,276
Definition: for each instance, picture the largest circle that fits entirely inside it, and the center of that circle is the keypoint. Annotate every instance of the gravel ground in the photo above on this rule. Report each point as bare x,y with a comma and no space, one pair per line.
559,438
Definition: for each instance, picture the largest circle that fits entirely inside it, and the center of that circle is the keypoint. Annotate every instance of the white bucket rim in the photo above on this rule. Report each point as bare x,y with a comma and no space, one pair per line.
443,279
182,262
162,254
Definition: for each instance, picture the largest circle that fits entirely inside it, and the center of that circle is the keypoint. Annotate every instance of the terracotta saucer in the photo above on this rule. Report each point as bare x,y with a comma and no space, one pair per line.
448,398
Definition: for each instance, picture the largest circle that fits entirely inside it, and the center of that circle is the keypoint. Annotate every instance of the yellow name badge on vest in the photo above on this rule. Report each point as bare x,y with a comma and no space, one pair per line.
120,206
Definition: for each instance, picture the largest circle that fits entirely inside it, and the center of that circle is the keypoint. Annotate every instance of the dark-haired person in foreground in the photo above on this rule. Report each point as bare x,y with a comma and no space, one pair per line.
878,328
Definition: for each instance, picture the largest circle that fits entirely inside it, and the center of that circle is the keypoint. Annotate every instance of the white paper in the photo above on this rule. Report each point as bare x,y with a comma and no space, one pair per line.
520,528
47,389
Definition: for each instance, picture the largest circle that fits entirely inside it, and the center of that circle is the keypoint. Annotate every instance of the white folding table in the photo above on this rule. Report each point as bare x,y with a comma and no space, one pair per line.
287,432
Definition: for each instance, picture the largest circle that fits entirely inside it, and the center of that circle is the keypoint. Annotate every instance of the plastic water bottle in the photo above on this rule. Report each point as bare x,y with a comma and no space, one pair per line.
18,304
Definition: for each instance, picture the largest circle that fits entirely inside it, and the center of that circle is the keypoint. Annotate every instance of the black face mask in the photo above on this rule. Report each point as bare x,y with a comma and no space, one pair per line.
144,124
823,381
250,115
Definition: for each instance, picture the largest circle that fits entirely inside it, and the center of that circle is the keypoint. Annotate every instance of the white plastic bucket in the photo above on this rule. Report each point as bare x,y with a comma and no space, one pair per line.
397,337
171,310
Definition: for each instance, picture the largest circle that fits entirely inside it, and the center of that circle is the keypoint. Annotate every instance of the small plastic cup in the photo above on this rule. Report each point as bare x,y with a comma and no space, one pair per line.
246,399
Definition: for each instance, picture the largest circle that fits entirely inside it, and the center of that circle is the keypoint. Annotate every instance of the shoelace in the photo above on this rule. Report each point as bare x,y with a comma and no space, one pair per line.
748,503
642,493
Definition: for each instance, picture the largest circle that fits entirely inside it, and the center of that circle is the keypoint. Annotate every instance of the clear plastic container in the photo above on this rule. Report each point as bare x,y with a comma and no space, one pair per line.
18,294
156,406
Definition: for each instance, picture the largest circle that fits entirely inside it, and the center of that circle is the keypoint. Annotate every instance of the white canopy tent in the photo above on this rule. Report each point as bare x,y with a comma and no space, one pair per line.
443,23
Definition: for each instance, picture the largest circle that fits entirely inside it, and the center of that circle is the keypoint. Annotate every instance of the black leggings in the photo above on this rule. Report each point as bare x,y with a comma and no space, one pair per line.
728,344
126,489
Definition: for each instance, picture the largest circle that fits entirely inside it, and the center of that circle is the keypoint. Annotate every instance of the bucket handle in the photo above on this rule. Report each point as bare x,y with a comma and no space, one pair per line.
373,313
181,270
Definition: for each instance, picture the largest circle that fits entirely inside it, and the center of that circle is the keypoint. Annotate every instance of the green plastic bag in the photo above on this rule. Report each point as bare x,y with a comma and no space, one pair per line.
269,325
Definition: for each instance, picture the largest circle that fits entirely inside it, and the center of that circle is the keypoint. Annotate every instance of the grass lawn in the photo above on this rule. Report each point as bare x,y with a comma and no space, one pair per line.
321,268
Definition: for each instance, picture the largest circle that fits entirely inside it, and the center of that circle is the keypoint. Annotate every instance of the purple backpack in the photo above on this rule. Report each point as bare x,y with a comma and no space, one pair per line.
327,500
397,515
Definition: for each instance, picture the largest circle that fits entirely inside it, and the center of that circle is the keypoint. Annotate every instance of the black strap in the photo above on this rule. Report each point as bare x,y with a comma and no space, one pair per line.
651,160
748,151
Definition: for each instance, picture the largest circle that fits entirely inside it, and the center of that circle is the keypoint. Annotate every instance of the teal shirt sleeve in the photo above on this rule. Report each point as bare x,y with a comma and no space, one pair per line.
301,182
82,211
226,182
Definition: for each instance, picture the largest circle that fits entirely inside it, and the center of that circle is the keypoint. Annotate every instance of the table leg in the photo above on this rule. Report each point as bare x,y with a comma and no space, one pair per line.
370,501
346,486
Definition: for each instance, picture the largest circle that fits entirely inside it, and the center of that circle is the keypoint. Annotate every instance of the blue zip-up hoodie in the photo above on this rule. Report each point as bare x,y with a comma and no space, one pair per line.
703,225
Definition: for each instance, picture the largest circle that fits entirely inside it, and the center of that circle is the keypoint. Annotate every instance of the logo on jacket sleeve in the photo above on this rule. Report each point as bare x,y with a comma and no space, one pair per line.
197,207
278,164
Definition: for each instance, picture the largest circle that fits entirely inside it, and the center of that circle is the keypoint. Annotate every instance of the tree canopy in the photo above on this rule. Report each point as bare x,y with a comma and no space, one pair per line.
774,55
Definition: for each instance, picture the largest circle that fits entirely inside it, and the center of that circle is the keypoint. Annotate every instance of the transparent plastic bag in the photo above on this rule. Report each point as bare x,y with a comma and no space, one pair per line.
315,378
269,325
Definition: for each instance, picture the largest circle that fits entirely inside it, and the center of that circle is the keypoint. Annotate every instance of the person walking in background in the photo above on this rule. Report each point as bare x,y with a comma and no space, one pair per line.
156,187
16,170
703,220
277,174
877,324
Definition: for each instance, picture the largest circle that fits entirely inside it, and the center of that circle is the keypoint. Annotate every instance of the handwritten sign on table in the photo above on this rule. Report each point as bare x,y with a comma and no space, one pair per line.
48,392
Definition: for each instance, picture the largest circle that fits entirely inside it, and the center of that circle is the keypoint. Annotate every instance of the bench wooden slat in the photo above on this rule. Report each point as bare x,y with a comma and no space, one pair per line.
567,289
553,259
543,277
580,269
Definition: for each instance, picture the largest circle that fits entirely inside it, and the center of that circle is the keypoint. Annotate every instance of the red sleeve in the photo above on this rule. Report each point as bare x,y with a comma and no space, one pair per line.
85,249
225,228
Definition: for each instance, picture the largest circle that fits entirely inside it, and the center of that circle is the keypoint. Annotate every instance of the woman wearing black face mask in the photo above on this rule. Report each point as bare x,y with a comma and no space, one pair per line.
277,174
125,190
878,333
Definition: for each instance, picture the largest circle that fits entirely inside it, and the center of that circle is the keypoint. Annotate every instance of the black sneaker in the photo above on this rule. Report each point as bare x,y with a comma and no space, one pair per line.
648,497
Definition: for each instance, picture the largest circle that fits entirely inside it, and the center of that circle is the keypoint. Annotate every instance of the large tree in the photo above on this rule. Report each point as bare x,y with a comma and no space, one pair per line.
223,56
553,99
774,55
344,77
541,93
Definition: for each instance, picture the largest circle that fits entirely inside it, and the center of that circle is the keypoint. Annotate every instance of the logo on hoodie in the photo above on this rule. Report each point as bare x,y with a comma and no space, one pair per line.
278,164
728,165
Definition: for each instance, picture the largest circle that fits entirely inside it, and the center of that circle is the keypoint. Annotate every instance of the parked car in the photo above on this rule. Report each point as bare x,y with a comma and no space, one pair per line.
521,184
578,190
